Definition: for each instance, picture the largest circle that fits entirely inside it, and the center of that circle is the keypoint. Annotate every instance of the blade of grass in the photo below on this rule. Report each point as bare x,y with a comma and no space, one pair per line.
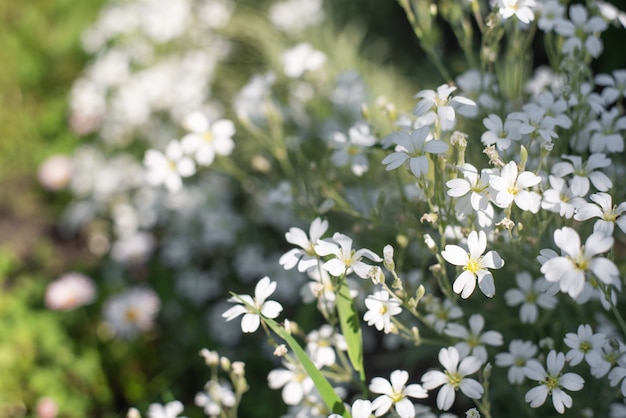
351,330
323,386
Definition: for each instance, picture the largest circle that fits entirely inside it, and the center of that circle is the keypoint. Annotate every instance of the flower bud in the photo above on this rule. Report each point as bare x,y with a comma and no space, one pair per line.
388,258
280,350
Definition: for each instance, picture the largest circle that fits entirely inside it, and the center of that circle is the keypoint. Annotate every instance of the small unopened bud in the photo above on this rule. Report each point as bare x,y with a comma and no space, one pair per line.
290,326
239,368
430,243
487,371
365,112
317,289
388,258
280,350
133,413
376,275
211,358
546,343
435,268
225,363
420,292
417,338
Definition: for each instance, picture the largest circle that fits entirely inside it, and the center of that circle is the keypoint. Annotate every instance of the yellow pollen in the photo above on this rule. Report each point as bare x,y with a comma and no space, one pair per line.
513,190
132,315
473,266
383,310
207,136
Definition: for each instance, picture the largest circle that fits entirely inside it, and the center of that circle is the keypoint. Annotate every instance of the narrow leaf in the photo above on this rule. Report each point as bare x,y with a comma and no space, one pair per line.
323,386
351,328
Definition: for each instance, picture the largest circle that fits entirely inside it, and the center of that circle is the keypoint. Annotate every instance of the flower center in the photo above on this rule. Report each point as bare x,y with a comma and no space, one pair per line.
552,382
207,136
610,215
513,190
472,266
383,309
454,379
397,396
585,346
132,315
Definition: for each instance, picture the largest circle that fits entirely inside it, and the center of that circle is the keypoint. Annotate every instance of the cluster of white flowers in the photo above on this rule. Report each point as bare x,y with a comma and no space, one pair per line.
511,182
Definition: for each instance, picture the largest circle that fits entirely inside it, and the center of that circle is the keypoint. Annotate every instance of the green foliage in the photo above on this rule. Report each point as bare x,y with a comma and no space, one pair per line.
38,356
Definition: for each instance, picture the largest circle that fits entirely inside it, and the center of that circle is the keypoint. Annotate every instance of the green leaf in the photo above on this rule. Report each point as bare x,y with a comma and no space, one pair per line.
323,386
351,328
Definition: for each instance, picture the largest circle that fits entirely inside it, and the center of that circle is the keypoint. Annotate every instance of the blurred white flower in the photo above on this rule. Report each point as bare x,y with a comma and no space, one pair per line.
293,16
55,172
530,295
413,147
70,291
294,380
301,59
444,107
474,340
523,10
515,359
168,168
206,139
169,410
132,311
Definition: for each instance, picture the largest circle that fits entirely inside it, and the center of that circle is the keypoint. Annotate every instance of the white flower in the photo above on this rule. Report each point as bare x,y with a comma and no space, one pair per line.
472,193
294,380
346,259
551,382
321,344
521,9
394,393
582,32
603,209
217,396
304,256
55,172
474,340
360,409
170,410
252,308
439,314
295,15
440,103
606,135
413,147
617,375
350,148
510,188
517,357
577,261
454,378
583,174
560,198
69,292
584,344
499,133
380,309
550,12
206,140
531,295
301,59
475,265
132,311
168,168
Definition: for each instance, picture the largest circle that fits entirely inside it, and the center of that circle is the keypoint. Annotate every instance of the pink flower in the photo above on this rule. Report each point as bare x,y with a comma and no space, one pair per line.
69,292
